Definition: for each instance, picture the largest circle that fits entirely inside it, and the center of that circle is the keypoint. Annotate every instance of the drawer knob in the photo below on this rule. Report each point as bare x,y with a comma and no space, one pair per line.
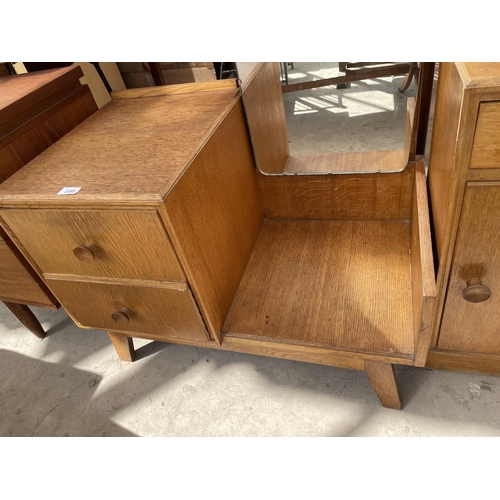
86,253
122,316
476,291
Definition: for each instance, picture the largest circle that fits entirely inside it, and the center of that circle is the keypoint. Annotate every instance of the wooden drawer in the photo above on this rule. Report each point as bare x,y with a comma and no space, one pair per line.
126,244
162,313
468,326
486,148
16,282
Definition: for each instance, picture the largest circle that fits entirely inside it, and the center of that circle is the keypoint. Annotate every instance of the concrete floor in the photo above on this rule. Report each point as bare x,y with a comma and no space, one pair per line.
73,384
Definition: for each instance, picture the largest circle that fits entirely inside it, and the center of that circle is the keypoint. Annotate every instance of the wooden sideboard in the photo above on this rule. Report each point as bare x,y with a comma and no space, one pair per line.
36,110
175,235
464,181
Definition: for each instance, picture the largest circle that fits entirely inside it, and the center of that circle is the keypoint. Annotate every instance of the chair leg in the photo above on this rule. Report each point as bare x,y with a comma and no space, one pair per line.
124,346
27,318
383,380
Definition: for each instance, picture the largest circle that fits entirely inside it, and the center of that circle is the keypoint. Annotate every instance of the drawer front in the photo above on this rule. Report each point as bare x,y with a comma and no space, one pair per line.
160,312
120,244
16,282
475,326
486,148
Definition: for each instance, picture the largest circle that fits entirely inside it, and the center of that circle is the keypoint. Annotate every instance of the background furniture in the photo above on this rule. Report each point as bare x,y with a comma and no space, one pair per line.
464,180
35,111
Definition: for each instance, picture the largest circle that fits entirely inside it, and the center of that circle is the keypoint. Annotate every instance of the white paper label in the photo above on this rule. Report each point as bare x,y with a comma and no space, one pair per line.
69,190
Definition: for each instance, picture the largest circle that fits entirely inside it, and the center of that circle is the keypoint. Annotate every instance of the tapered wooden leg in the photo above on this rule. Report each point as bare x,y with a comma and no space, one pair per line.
27,318
124,346
383,380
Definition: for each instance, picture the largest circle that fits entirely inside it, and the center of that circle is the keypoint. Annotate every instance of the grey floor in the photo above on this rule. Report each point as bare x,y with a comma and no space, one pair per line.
73,384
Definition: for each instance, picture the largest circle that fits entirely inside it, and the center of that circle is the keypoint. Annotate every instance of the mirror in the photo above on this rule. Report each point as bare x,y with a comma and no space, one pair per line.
316,118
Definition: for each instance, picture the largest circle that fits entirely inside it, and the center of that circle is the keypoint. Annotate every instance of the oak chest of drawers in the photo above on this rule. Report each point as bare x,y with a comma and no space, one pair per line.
36,110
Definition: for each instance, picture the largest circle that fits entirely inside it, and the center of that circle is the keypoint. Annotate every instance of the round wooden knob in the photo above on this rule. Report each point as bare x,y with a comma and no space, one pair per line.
476,291
86,253
122,316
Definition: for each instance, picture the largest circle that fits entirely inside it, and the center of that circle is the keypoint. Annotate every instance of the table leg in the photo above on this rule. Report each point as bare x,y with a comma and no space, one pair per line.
27,318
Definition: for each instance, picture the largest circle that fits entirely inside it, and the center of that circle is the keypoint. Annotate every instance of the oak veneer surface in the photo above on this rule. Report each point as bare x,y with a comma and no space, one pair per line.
22,96
16,282
338,284
348,196
479,74
365,161
214,215
162,312
266,119
486,149
130,244
142,145
466,326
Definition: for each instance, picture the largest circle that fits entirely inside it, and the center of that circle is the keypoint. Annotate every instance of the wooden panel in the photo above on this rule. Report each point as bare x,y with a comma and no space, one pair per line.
357,162
163,312
442,160
337,284
23,96
423,280
480,74
486,149
154,140
466,326
27,141
184,88
342,196
265,115
129,244
16,282
463,362
214,216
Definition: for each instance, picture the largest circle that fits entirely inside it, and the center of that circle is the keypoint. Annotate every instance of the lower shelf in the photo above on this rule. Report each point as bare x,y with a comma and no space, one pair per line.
326,283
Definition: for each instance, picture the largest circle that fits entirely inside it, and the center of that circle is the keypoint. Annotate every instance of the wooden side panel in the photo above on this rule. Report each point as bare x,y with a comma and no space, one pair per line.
162,312
128,244
486,149
27,142
463,362
16,282
214,216
423,280
265,114
466,326
343,196
337,284
442,160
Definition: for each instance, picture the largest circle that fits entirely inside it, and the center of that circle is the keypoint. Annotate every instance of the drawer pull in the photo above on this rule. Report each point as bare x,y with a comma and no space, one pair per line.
476,291
86,253
122,316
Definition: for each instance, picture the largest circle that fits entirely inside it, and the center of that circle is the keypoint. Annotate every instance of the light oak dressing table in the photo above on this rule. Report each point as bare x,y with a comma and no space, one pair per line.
175,235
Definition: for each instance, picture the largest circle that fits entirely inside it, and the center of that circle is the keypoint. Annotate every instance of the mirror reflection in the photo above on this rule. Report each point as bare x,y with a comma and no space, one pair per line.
307,117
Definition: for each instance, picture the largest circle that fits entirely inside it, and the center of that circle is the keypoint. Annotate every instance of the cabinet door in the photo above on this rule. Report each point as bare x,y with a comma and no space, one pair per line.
475,326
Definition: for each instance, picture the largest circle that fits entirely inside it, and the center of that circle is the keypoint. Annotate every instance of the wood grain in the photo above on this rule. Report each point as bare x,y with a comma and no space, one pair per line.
124,346
347,196
481,76
129,244
422,268
466,326
24,96
486,149
27,141
154,139
383,381
463,362
183,88
26,318
265,115
351,162
214,216
338,284
165,312
18,281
